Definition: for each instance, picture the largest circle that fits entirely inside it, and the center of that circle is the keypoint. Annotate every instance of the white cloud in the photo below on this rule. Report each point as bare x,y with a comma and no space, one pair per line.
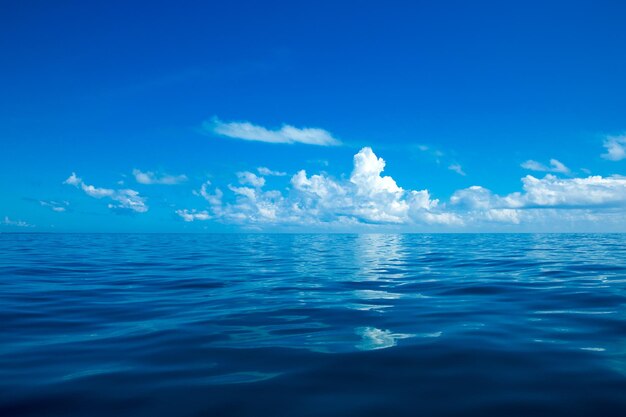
268,172
17,223
285,134
503,216
474,198
150,177
369,200
250,178
129,200
244,191
547,200
366,174
191,215
215,200
615,148
73,180
457,168
125,200
555,166
55,206
366,198
95,192
574,192
558,166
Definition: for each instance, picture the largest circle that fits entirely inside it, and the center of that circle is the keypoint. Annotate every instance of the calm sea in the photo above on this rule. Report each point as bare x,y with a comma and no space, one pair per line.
312,325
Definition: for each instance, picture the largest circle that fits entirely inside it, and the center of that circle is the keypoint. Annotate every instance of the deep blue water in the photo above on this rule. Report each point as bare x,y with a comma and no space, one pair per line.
311,325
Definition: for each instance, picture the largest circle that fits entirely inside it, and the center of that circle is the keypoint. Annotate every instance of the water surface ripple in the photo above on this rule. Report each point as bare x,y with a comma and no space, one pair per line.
310,325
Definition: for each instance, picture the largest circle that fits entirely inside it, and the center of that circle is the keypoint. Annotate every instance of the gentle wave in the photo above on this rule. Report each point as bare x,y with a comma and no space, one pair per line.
290,325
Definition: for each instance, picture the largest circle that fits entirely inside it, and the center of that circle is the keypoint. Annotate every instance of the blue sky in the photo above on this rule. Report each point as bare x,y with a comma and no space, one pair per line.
281,116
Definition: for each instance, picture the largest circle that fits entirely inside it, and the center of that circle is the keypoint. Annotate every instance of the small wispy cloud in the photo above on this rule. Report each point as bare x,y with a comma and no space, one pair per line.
555,166
16,223
615,148
284,134
192,215
150,177
322,162
73,180
431,149
432,152
126,200
54,205
457,168
268,172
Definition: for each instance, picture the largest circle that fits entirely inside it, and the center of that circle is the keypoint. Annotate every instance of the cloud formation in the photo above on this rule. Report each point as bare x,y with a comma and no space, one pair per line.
615,148
124,200
150,177
369,199
546,200
285,134
191,215
549,192
366,197
457,168
268,172
54,205
594,191
555,166
16,223
250,178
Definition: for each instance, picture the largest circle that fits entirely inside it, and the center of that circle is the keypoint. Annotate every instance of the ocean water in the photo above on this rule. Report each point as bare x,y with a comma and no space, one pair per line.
312,325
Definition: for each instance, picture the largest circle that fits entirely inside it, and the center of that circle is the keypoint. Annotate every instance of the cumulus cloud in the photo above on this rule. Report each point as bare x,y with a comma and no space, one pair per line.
150,177
16,223
555,166
268,172
545,200
549,192
284,134
250,178
615,148
369,199
474,198
574,192
124,200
